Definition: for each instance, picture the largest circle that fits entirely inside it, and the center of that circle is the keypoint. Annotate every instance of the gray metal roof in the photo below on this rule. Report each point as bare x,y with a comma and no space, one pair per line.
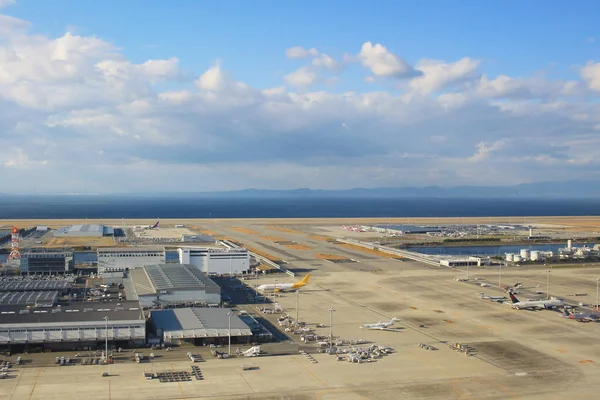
177,277
87,228
198,323
129,249
16,298
34,285
74,312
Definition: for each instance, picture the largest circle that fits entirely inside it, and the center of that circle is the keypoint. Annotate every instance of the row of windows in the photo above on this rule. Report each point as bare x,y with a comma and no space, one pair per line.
98,328
127,255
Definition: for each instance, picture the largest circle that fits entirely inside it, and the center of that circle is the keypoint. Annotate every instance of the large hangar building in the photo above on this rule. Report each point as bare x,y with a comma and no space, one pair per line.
88,230
200,325
172,284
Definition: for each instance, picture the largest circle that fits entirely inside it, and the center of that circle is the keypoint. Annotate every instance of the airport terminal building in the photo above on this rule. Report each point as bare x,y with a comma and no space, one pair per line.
215,260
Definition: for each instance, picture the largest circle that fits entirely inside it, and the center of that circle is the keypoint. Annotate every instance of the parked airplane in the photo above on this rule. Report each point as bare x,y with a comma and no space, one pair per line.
582,317
382,326
147,226
353,228
280,287
498,299
535,304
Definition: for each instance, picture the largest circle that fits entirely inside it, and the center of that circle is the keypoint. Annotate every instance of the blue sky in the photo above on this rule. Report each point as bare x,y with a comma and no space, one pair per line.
366,107
514,37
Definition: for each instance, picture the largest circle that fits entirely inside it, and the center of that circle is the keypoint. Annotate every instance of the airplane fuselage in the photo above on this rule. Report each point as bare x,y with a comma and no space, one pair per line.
538,304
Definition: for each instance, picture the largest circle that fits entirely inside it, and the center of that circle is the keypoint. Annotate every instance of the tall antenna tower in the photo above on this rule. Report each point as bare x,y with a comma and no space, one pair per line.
15,254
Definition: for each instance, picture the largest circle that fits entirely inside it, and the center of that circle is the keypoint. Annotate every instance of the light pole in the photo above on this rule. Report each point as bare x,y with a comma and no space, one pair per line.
331,310
467,271
229,331
106,339
548,283
297,307
500,276
597,293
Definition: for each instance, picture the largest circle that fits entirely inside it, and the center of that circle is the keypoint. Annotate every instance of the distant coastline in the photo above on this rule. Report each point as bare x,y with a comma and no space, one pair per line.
199,207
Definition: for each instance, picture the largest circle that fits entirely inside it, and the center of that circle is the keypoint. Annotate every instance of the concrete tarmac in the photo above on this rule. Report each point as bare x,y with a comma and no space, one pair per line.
517,354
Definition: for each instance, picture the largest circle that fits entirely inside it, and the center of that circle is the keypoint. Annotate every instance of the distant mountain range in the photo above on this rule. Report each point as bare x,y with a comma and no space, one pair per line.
564,190
567,189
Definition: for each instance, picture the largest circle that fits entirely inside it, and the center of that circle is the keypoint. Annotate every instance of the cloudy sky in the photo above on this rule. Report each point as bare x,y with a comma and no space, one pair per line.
130,96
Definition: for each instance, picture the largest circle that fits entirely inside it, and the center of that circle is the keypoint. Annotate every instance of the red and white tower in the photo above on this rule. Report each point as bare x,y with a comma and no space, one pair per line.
15,254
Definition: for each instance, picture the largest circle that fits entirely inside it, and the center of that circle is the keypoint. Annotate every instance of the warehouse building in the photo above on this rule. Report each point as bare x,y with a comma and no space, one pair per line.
46,262
88,230
215,260
201,326
172,284
465,262
74,325
115,259
62,285
38,298
197,238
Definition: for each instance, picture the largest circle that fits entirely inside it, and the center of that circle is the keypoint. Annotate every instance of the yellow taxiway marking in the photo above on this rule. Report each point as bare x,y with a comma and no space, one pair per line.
311,373
178,384
561,350
35,383
504,389
459,392
486,327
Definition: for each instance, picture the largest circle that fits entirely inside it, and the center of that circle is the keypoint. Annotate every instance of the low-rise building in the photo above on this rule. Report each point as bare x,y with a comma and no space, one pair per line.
73,325
115,259
47,262
216,260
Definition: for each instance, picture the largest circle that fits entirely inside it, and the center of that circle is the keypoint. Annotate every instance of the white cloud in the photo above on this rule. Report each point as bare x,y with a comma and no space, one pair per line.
299,52
302,77
4,3
439,75
384,63
591,74
484,150
324,61
591,40
74,110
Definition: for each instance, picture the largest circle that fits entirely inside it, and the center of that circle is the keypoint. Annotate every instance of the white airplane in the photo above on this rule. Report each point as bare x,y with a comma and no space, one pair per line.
353,228
280,287
143,227
535,304
581,317
498,299
382,326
